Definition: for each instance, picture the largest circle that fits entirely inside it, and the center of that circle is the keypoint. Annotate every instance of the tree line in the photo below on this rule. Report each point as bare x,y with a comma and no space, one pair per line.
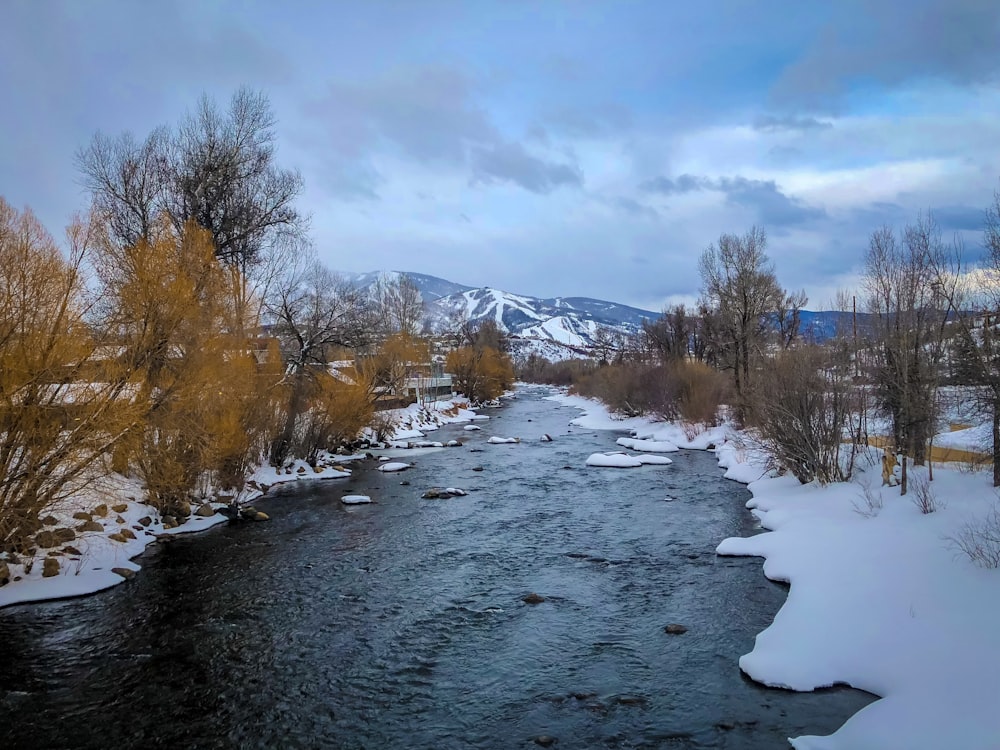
188,332
930,316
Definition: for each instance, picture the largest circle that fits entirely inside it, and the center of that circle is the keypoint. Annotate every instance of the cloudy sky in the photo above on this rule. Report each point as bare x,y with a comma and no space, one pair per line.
546,148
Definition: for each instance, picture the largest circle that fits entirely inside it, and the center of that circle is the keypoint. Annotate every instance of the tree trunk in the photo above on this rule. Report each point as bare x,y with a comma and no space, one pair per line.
280,447
902,477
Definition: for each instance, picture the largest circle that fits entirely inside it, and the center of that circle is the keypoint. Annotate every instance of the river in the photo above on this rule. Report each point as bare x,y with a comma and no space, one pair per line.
401,624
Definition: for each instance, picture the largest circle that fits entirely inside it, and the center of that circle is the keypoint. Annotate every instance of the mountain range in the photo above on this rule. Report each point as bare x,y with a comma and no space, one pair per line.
556,328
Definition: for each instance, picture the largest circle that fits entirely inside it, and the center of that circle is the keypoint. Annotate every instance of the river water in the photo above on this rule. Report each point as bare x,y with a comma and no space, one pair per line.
400,624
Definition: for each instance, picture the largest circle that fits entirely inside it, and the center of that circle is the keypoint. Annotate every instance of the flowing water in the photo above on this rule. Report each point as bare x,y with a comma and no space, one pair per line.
401,624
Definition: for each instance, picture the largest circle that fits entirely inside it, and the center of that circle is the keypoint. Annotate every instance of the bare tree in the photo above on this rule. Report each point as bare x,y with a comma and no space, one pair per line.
739,286
313,311
399,306
903,294
216,169
128,181
972,295
669,336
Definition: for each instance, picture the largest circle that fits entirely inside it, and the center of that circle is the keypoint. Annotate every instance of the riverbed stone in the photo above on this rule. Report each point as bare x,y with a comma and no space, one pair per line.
119,520
4,573
118,537
533,598
90,526
82,515
126,573
50,567
145,521
64,535
70,550
127,533
675,628
205,511
119,507
477,468
101,510
50,521
45,539
169,522
545,740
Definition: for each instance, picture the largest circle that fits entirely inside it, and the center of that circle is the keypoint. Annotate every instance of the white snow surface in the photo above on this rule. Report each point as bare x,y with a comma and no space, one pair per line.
885,603
472,427
355,499
648,446
502,440
614,460
392,466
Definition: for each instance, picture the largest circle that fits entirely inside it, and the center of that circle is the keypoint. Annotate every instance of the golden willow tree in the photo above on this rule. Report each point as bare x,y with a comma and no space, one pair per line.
63,405
204,398
481,369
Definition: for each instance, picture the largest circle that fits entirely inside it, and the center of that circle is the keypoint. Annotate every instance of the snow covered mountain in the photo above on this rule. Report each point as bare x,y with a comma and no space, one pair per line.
555,328
431,287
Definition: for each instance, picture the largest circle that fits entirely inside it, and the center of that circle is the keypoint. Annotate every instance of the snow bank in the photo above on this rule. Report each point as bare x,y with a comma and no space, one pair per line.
416,419
652,460
596,416
884,604
613,460
648,446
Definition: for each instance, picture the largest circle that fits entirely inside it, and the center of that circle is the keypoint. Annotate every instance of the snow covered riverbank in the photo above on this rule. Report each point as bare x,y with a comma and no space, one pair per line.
881,598
92,540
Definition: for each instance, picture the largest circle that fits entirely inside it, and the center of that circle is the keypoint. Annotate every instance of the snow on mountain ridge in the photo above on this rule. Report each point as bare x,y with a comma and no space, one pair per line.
558,328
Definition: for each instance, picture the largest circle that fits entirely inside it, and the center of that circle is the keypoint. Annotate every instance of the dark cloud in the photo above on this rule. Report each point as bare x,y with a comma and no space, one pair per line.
430,115
426,113
510,162
960,218
949,218
773,206
777,124
763,196
686,183
889,42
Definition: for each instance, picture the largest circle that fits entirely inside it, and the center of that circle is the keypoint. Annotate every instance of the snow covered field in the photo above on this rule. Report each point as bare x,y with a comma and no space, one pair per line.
880,598
101,556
